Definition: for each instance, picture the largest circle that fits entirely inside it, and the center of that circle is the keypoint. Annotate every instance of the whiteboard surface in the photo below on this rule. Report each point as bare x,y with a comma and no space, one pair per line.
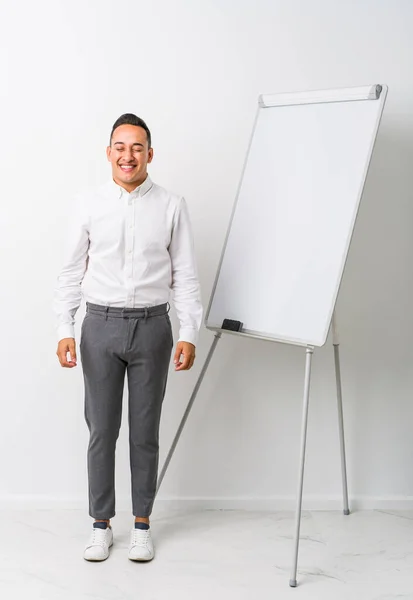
293,219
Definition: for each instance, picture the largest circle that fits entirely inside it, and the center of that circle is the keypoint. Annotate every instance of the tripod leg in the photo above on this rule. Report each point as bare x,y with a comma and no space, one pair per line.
188,409
309,355
336,345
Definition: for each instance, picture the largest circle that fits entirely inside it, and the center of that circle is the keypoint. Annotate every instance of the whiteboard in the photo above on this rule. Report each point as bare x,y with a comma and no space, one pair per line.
295,211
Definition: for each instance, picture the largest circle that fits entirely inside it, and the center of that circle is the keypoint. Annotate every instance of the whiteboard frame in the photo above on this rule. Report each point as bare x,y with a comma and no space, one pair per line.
375,93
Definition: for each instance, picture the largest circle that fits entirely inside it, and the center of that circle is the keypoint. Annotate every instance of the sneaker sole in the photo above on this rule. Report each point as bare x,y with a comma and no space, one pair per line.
99,559
141,559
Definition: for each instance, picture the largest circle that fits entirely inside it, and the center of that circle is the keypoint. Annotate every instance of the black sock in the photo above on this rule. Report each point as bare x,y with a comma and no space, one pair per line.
100,525
139,525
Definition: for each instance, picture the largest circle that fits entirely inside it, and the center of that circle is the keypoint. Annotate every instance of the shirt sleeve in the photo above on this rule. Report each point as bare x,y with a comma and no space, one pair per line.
185,284
68,292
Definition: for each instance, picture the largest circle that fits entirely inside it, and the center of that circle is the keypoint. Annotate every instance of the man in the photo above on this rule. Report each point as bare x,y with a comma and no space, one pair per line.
130,244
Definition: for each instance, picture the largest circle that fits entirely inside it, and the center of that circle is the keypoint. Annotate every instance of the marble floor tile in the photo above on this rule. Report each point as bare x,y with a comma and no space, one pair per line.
211,555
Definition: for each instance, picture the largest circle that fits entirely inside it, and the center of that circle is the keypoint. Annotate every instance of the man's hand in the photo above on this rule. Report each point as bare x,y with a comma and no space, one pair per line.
67,345
188,351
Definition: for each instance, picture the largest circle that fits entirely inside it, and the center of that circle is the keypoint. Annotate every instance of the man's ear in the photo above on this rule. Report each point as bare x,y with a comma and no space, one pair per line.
150,155
108,151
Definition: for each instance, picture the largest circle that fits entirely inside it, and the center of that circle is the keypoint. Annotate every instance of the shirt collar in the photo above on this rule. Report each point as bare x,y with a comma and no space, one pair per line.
141,190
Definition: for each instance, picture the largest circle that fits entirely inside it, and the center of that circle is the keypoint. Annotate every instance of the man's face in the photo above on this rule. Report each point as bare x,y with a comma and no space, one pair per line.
129,155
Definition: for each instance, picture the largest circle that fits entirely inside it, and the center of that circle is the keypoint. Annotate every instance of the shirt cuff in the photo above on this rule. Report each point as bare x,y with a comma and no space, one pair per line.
188,334
65,331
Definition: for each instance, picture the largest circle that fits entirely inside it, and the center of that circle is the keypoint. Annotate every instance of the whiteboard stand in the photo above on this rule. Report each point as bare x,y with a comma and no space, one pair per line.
296,207
304,427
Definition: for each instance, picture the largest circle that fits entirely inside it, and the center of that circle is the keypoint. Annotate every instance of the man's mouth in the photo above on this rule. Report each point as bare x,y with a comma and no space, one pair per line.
127,168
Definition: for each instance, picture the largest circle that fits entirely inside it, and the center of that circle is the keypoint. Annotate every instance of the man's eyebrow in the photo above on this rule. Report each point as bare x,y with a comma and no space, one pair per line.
123,143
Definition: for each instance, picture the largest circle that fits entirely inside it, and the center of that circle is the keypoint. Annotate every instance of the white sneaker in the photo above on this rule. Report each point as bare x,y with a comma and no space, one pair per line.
99,543
141,545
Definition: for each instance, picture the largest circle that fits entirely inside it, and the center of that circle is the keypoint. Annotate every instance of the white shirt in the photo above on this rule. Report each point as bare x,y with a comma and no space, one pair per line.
130,250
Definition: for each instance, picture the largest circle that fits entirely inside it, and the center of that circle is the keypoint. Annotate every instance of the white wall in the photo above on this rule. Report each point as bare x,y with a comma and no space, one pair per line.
193,71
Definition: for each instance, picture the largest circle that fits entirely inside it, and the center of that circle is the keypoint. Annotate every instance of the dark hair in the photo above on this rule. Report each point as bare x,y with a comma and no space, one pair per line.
131,119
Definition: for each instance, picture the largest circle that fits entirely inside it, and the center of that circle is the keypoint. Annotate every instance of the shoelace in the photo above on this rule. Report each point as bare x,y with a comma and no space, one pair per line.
98,537
140,537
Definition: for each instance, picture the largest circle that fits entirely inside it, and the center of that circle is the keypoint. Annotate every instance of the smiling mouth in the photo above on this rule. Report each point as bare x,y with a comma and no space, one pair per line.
127,168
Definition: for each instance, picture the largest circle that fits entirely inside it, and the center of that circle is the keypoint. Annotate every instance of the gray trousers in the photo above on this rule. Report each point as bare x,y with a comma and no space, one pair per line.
116,341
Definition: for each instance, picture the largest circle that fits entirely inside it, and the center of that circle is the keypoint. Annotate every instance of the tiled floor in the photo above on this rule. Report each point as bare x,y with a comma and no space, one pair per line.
211,555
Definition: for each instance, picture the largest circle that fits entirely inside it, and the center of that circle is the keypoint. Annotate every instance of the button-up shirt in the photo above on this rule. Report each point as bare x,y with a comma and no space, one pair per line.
130,250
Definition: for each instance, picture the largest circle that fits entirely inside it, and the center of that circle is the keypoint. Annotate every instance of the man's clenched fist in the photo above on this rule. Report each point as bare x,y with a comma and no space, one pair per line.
186,351
65,346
